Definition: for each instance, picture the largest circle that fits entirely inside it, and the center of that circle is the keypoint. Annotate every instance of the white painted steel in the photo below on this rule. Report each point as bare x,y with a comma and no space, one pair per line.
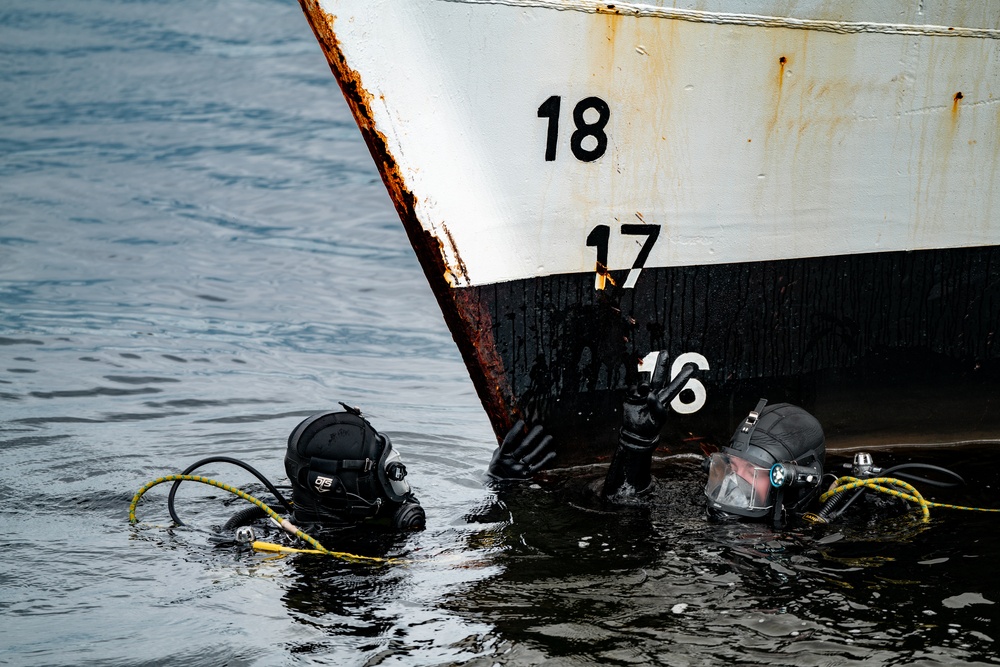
857,142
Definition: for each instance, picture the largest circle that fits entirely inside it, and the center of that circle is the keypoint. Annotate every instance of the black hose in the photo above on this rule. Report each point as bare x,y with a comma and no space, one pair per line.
843,508
244,516
224,459
923,480
829,506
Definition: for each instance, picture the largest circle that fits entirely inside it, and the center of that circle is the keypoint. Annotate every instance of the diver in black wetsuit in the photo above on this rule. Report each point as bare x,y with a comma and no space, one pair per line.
521,454
342,474
771,470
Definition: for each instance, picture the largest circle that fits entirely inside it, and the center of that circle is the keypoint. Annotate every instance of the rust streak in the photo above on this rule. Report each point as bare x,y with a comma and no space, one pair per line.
462,270
466,316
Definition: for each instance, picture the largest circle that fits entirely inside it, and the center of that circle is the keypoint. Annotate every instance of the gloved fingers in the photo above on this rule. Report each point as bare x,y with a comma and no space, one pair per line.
662,398
529,443
507,470
644,379
543,447
513,437
532,469
660,371
637,393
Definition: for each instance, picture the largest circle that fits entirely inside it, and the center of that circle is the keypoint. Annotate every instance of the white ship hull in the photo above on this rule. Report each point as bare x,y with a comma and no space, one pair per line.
803,200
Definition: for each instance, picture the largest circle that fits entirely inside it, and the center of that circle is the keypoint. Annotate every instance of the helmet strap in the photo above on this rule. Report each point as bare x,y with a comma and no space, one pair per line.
742,440
779,508
334,466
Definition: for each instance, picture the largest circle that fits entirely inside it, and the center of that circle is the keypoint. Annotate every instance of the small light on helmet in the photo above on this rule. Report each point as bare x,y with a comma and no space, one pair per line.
394,475
778,475
789,474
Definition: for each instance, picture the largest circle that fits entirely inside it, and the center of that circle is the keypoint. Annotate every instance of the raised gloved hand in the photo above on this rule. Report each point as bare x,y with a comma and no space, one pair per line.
521,454
643,414
646,407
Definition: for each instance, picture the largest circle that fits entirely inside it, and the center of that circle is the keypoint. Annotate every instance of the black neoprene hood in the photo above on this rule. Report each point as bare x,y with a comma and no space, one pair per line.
782,432
333,462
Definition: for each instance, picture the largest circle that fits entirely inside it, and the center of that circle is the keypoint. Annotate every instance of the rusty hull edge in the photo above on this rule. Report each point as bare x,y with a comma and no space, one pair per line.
467,317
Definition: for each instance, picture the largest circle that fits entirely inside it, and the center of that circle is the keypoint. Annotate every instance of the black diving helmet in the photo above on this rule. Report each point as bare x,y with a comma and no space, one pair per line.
343,471
773,464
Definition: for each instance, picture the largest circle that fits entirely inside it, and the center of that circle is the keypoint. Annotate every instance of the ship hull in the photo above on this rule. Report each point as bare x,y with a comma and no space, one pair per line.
885,348
803,204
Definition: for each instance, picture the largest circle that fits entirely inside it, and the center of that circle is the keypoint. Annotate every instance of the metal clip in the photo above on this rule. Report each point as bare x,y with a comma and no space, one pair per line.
368,465
754,415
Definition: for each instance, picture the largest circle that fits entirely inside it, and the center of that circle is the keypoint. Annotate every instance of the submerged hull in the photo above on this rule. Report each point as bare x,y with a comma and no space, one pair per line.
803,204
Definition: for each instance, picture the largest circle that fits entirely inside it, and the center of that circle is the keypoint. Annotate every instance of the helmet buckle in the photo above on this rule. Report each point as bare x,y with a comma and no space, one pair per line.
751,421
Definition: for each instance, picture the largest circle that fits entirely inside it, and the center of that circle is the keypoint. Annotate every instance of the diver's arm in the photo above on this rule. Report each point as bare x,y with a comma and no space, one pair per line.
643,414
629,473
520,455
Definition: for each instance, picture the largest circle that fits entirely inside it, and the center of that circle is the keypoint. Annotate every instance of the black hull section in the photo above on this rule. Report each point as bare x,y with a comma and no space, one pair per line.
883,348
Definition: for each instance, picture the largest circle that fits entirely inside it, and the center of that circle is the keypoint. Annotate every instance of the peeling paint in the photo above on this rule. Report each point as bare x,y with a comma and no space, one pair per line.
467,318
752,20
462,272
829,139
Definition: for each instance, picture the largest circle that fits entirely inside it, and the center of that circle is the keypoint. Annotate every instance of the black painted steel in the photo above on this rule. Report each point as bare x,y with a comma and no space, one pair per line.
884,348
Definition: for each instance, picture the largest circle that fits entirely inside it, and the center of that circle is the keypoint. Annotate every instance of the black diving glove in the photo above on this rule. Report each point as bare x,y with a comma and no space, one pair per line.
644,412
646,407
521,454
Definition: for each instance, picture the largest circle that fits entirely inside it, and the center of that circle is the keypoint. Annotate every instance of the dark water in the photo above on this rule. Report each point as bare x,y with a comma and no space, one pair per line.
195,252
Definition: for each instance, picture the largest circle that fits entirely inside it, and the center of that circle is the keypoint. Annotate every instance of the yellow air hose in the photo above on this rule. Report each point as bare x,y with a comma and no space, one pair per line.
284,523
885,485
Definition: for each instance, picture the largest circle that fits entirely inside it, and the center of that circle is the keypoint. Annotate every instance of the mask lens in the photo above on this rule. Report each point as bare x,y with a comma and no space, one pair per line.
735,483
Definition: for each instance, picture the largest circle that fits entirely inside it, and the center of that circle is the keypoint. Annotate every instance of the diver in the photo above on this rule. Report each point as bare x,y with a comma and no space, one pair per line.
342,474
771,470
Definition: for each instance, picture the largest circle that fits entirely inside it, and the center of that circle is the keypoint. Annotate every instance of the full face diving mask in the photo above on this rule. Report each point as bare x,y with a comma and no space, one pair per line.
343,471
773,464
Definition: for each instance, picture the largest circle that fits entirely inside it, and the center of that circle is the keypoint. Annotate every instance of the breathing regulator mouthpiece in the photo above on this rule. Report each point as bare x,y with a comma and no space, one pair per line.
409,516
245,534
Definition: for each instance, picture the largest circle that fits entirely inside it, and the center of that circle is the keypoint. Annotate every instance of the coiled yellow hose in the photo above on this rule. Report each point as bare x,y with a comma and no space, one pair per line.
260,546
885,485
